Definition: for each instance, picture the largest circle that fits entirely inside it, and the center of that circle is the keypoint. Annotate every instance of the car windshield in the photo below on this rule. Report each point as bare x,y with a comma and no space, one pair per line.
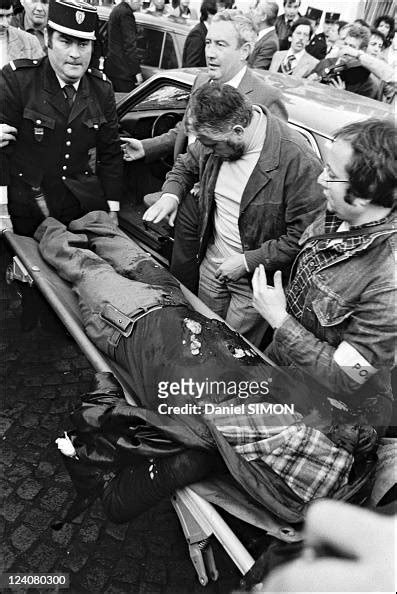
166,97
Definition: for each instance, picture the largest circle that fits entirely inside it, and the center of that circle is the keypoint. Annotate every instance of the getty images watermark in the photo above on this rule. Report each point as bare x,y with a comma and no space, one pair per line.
204,390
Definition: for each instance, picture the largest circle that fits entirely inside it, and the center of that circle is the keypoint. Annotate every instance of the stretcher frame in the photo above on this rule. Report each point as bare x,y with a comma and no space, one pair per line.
199,518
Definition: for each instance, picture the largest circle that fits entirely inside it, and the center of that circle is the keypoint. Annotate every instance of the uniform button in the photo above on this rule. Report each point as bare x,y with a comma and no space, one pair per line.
68,143
63,177
20,174
89,70
64,167
67,156
69,130
96,126
38,121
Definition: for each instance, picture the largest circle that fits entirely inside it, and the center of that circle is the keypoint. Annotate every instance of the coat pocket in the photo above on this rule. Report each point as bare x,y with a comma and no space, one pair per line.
41,124
331,310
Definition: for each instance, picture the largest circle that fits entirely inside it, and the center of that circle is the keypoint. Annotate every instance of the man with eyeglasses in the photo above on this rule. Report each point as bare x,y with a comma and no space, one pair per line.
336,322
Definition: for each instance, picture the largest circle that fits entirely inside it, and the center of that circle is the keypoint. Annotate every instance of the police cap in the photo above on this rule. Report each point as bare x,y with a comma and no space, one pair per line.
72,17
314,14
331,17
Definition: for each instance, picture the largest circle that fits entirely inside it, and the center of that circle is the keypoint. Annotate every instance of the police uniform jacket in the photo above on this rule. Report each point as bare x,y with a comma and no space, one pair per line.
72,155
317,46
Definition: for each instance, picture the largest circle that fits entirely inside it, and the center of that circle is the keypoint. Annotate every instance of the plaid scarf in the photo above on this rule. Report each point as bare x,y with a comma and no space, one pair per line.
309,463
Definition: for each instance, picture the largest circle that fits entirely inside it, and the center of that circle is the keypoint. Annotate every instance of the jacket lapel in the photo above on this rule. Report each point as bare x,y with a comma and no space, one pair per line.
246,85
81,100
267,162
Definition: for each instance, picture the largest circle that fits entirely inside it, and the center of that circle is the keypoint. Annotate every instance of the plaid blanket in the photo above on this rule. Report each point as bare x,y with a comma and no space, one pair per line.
310,463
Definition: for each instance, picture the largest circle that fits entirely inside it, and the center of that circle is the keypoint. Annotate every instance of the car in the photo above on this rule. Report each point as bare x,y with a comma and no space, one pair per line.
316,111
160,39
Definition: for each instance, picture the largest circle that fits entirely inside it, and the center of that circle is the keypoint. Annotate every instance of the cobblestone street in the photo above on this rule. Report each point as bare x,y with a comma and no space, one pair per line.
42,378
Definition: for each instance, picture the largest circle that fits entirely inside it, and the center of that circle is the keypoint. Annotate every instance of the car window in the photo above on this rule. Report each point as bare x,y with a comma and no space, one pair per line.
150,44
166,97
169,59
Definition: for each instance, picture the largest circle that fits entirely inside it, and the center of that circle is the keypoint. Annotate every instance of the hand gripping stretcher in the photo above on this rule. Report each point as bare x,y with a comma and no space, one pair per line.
193,504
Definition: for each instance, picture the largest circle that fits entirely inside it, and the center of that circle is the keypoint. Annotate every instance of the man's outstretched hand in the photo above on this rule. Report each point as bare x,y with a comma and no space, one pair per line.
167,206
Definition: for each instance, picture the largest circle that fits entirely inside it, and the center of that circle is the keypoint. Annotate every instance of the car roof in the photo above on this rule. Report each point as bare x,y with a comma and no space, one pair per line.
316,106
165,23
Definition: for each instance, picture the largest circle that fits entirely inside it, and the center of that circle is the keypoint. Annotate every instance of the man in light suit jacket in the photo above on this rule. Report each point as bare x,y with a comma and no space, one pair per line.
296,61
229,43
267,44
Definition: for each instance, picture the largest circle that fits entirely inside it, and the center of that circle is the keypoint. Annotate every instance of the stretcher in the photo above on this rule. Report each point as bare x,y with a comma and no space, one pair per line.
194,504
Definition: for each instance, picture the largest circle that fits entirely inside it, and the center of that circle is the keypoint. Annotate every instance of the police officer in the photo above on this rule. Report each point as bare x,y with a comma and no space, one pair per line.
317,46
66,158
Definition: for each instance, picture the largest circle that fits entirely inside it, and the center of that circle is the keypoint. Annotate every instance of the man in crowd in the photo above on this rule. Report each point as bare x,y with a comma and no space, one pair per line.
257,193
265,15
158,8
337,321
352,76
296,61
230,39
376,43
66,158
33,19
331,31
122,63
194,48
285,21
15,43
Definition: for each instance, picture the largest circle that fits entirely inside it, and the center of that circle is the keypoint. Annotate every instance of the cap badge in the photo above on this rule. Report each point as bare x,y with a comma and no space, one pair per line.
80,16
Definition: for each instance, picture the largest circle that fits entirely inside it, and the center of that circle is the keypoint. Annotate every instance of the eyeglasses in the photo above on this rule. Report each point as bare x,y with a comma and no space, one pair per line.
332,181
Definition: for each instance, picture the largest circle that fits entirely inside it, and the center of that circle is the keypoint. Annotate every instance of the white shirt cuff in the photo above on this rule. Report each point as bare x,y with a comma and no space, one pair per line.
245,262
3,195
114,205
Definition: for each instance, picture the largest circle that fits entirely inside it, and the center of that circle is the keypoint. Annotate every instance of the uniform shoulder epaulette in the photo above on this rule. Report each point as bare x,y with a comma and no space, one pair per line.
24,63
98,74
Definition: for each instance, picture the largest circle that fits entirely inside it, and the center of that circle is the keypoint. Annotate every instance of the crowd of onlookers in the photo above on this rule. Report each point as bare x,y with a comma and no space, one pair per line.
358,56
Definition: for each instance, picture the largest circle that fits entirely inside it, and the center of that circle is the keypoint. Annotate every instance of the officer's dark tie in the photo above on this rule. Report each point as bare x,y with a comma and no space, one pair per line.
70,93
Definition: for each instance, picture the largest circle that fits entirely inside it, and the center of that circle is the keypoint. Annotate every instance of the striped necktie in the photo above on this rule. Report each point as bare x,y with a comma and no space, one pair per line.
289,64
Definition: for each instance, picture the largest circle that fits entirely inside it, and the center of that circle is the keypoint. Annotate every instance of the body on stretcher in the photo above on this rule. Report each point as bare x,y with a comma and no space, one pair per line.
198,517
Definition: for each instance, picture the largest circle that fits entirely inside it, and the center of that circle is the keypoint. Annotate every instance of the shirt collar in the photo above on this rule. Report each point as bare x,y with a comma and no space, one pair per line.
264,31
63,83
237,78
